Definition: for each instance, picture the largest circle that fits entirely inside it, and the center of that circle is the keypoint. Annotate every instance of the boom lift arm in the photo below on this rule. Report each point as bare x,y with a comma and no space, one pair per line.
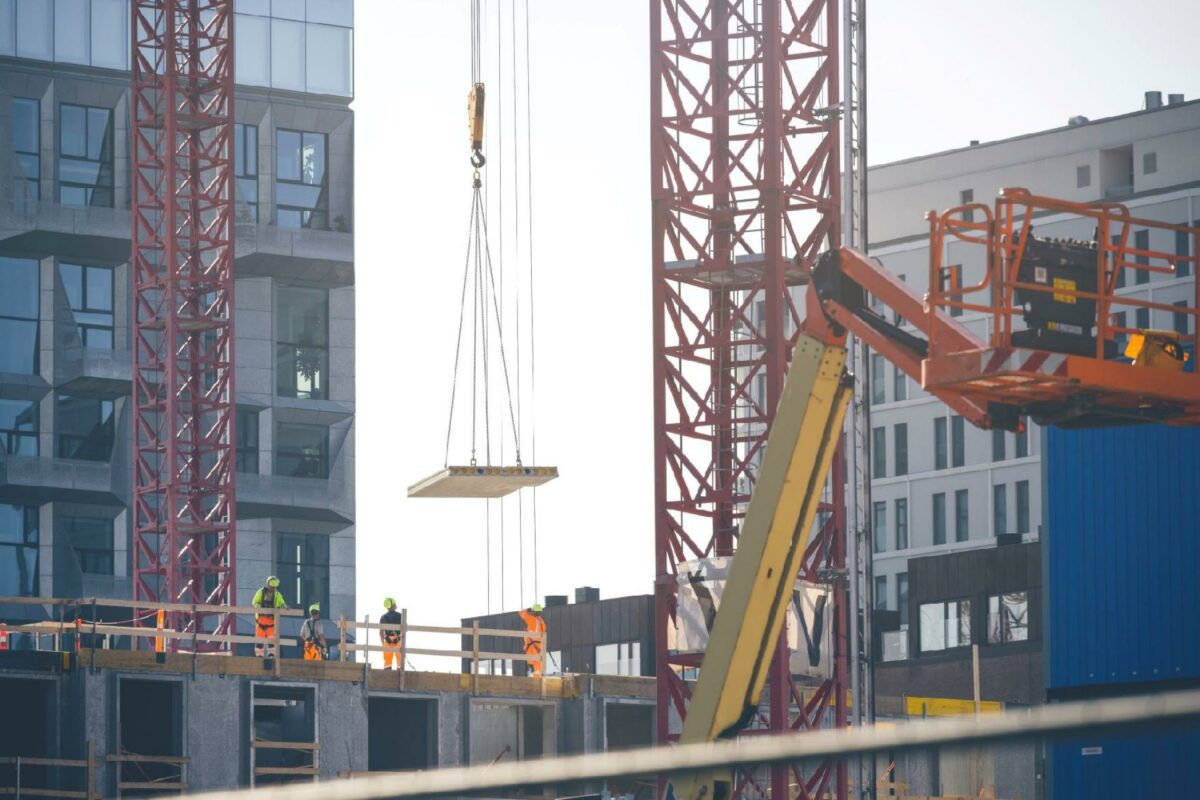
989,391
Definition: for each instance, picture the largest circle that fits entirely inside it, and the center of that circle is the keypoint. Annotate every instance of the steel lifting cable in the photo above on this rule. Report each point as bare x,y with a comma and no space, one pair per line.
529,247
517,298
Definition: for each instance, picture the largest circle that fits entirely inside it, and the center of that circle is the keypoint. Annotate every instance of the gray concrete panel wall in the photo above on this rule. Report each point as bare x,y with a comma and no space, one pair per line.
342,727
213,730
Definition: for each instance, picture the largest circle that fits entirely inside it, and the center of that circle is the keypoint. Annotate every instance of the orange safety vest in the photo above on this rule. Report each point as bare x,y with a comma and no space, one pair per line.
534,624
3,637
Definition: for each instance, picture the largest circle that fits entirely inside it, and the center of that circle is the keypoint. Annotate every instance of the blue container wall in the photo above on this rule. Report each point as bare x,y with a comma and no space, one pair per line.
1151,766
1122,556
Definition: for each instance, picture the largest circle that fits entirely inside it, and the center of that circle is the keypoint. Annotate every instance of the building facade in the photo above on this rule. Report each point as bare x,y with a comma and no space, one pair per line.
65,297
938,484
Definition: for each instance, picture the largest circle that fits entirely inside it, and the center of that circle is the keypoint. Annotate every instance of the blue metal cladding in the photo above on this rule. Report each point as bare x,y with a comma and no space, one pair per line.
1159,765
1122,553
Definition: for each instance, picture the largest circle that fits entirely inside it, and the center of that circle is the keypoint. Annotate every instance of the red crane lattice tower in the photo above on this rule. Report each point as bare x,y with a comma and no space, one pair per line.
745,173
183,437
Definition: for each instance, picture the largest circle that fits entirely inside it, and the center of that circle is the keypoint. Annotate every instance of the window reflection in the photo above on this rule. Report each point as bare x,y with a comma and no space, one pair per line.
302,564
18,550
19,305
26,132
90,293
302,342
245,165
1008,618
84,426
301,451
85,172
301,186
19,427
91,538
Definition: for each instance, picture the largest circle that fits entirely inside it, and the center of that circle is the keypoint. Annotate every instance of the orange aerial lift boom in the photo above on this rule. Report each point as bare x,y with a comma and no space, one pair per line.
1051,353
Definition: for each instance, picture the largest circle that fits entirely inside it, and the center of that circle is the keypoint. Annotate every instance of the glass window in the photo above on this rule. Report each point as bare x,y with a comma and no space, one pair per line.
301,451
902,597
247,440
245,165
899,384
287,54
302,342
900,434
1000,508
1083,176
621,658
18,551
84,426
878,387
939,518
19,307
302,186
1116,243
331,12
1180,318
1142,318
302,565
110,34
954,288
879,453
881,592
964,197
1022,506
90,293
329,64
902,523
1183,248
945,625
288,9
1141,241
71,26
939,443
1008,618
92,540
1149,163
19,427
958,445
27,141
998,445
1023,441
962,516
8,27
35,29
879,525
252,50
85,171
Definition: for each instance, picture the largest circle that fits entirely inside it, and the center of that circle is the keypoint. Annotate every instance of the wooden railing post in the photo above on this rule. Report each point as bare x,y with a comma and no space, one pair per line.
275,642
341,637
475,657
403,643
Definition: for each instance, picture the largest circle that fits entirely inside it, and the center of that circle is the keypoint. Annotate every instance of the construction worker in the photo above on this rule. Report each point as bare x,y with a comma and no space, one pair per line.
268,596
391,639
534,623
313,636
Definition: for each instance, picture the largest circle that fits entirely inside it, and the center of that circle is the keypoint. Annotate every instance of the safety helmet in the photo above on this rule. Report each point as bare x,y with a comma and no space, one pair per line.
389,602
536,608
273,582
314,607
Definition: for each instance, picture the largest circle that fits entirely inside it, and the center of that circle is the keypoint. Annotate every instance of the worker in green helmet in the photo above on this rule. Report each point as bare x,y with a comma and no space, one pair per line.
391,639
268,596
535,625
312,634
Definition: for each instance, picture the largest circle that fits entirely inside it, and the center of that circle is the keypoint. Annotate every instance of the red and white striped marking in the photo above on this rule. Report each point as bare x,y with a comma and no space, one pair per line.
1007,359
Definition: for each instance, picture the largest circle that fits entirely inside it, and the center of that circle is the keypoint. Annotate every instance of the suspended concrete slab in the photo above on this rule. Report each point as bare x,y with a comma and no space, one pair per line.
481,481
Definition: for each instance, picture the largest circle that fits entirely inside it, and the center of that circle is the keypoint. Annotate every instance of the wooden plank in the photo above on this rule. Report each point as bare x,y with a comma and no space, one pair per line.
261,744
152,785
43,762
286,771
480,481
137,758
27,791
150,633
8,600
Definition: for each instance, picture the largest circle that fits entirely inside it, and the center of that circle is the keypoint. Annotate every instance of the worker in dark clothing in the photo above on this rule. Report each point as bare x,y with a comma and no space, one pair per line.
313,636
391,639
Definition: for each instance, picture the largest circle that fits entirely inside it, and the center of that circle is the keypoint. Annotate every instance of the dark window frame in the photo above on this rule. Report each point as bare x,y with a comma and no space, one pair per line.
1141,241
94,445
938,509
303,464
92,560
879,526
900,507
103,161
941,443
246,173
1183,247
879,452
900,446
34,155
958,441
35,320
999,445
85,302
247,435
959,602
1000,508
308,359
878,386
24,553
962,515
12,437
318,215
899,384
294,571
902,597
1000,633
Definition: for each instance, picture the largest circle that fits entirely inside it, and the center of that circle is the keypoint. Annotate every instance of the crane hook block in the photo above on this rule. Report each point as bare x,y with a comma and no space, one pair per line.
475,123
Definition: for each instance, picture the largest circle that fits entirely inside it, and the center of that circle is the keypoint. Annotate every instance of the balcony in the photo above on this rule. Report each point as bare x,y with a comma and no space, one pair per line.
294,498
304,254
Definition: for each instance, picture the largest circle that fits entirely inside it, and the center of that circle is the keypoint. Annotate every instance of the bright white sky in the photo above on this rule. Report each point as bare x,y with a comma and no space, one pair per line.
941,74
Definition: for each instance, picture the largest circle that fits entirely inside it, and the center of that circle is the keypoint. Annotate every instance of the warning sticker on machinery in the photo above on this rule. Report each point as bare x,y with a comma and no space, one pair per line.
1068,285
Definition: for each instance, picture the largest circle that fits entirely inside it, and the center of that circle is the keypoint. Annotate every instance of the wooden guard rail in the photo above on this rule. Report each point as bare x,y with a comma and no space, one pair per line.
179,784
155,638
88,765
404,628
312,769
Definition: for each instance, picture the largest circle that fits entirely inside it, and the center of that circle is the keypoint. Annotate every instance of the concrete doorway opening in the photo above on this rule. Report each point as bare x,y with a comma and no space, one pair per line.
149,724
627,725
402,734
510,732
283,734
29,702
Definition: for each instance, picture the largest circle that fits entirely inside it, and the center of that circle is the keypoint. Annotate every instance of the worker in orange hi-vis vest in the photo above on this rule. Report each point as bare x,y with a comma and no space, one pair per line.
534,623
3,636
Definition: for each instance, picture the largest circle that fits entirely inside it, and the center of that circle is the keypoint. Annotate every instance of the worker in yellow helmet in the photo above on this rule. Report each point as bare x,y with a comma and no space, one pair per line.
312,634
535,624
391,639
268,596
